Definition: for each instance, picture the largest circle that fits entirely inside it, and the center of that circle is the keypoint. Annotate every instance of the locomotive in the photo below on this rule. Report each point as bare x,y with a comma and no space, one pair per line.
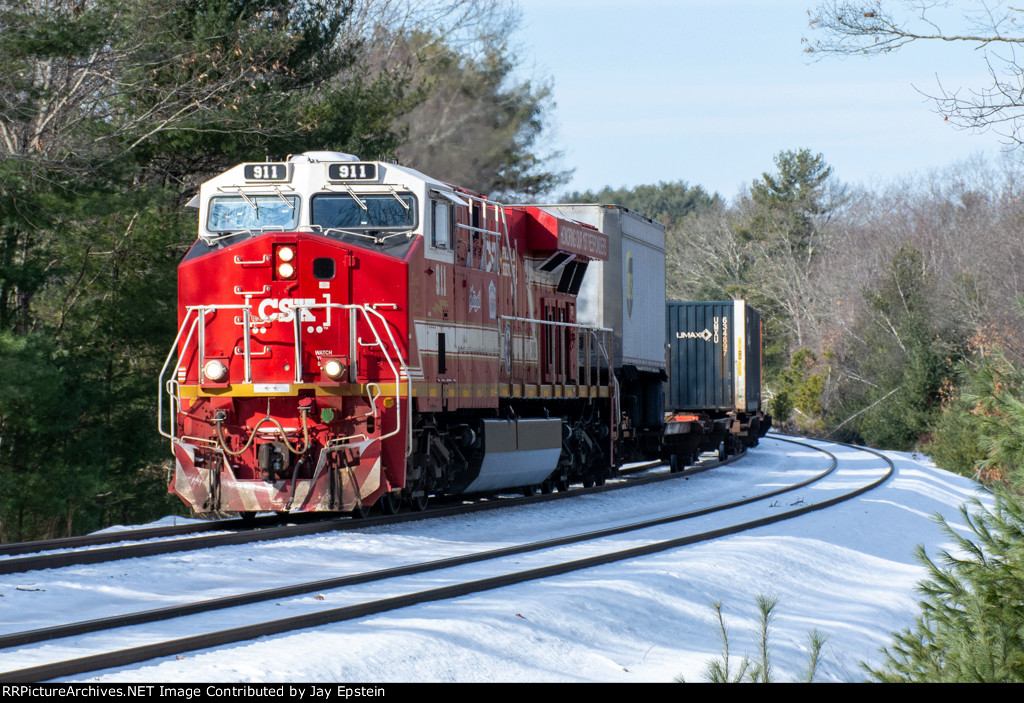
356,333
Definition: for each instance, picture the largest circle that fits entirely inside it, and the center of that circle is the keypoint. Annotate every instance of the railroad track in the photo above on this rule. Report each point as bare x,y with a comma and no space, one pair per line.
541,551
147,542
140,534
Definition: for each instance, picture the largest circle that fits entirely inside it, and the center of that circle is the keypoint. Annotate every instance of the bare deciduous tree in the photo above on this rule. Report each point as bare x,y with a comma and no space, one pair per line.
996,30
477,121
79,76
705,257
378,26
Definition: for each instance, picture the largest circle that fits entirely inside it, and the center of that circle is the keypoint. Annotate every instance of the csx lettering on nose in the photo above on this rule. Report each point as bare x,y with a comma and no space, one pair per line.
285,308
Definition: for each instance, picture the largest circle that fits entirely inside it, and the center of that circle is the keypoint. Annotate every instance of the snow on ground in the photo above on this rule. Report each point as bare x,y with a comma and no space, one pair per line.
848,571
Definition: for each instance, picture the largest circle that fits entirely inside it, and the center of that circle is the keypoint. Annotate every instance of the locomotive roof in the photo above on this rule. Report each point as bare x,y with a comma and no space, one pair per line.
310,173
314,172
295,183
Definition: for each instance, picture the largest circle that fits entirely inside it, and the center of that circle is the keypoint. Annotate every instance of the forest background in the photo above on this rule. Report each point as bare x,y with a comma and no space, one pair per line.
892,314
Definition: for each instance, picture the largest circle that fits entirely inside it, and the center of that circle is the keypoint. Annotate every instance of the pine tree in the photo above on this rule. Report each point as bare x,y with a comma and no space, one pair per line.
971,627
668,203
898,364
790,201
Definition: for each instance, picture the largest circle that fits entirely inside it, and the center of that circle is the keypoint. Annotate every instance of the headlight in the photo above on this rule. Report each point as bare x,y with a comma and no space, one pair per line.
286,253
215,371
334,369
286,270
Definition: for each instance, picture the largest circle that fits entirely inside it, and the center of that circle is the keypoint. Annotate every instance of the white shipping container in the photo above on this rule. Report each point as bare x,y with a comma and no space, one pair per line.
627,292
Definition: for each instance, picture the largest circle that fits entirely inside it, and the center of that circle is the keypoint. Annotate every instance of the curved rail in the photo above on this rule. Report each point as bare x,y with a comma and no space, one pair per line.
238,533
134,655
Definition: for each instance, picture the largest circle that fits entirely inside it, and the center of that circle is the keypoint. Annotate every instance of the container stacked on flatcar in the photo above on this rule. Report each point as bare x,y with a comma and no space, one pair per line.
714,388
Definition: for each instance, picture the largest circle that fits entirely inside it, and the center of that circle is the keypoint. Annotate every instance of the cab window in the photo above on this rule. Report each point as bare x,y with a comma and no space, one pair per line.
254,212
364,212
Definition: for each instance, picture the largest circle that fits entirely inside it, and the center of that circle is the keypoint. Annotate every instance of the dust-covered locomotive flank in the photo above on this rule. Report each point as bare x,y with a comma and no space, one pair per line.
354,333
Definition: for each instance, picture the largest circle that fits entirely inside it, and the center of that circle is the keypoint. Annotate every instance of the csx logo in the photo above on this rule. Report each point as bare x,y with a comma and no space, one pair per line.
283,310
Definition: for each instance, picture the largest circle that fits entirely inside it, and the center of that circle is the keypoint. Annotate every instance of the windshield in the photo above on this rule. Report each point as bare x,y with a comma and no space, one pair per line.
253,212
364,211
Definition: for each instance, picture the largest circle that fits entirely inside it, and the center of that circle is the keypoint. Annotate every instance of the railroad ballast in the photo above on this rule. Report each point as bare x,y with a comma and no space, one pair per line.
356,333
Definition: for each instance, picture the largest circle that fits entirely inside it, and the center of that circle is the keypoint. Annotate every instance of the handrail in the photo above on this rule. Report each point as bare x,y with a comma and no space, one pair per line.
196,313
160,378
367,311
599,334
577,325
481,230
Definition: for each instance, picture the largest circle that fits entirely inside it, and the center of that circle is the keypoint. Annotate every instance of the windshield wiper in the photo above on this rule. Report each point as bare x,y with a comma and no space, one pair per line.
355,197
382,240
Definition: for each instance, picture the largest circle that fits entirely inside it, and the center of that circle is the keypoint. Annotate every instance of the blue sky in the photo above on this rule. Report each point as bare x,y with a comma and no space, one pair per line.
708,92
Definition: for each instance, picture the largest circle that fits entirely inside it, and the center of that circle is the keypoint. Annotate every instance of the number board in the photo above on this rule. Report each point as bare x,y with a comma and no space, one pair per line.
352,172
281,173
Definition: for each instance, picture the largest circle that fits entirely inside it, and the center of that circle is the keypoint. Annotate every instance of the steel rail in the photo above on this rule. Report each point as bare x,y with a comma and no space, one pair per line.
134,535
134,655
246,535
166,613
223,525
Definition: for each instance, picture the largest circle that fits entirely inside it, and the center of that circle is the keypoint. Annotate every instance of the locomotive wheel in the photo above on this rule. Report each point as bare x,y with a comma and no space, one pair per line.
548,487
529,491
360,511
588,481
562,483
419,503
389,503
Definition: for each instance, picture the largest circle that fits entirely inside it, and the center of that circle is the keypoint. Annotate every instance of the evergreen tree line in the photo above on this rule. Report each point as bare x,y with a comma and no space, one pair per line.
111,115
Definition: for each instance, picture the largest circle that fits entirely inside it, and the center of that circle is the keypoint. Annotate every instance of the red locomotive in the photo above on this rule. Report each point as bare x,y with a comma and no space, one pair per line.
357,332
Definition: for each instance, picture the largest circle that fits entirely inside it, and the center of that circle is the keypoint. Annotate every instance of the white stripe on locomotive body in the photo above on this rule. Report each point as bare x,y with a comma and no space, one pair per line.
525,347
468,339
